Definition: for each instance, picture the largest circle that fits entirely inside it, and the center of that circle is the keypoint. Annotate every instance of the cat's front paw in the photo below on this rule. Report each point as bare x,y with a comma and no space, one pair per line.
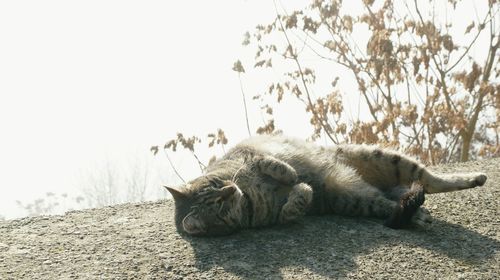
277,169
289,214
299,200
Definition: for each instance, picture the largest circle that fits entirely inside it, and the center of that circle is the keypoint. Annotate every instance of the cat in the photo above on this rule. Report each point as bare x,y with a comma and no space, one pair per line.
273,179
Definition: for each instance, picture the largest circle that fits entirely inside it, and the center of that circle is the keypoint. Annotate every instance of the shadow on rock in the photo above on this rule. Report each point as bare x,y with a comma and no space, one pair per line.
328,246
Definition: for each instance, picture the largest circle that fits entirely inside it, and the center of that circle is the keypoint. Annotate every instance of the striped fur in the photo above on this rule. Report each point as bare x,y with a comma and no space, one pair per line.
268,180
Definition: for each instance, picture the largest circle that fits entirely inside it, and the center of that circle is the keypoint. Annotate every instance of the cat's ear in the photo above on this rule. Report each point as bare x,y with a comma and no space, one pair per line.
193,225
176,192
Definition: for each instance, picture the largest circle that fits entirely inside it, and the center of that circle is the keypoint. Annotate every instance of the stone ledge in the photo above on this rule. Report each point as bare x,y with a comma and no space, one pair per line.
140,241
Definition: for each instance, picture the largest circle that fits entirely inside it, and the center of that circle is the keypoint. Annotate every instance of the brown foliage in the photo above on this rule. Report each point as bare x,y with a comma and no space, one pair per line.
408,76
425,92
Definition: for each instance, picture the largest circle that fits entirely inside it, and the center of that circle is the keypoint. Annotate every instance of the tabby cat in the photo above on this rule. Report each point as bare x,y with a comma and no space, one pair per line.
268,180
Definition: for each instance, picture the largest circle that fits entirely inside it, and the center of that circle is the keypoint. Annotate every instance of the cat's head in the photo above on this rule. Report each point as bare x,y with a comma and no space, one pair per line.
207,207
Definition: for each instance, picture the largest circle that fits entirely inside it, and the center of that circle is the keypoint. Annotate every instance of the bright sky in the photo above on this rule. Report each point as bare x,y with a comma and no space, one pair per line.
83,81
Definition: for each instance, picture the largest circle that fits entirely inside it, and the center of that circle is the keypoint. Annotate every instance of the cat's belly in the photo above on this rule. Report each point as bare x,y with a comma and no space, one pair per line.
267,202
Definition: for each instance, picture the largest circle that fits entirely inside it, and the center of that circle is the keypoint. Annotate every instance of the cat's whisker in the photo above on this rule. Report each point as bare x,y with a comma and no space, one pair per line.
236,173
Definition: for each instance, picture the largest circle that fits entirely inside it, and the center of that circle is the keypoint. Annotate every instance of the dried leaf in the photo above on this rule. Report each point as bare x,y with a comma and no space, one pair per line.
238,67
260,63
469,27
246,39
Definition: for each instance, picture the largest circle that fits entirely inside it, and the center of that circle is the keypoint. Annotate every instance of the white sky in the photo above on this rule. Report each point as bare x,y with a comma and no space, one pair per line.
82,81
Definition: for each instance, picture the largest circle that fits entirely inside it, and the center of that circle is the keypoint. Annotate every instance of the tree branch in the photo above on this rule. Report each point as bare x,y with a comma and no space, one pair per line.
244,104
173,167
301,73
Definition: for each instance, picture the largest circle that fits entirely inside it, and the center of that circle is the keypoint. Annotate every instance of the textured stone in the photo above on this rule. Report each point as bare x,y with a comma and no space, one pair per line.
139,241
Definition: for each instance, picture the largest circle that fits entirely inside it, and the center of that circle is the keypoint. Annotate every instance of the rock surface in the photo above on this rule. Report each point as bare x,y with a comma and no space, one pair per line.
140,241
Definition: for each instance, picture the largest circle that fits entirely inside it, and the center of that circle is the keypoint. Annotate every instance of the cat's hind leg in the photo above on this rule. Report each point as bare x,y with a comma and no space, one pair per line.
407,208
299,200
434,183
348,194
387,169
422,217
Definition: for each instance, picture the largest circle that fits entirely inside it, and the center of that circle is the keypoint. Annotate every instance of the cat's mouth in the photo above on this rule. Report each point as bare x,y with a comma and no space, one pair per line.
194,226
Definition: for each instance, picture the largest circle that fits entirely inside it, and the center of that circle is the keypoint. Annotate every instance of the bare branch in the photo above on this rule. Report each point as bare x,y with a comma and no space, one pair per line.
469,46
173,166
304,84
244,105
